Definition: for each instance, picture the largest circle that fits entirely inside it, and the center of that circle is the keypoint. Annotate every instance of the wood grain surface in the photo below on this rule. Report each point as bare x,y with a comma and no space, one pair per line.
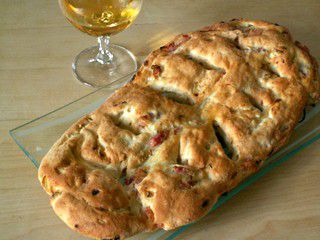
37,46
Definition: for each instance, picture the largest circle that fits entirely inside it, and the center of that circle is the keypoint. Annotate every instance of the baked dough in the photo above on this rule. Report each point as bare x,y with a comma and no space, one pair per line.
203,113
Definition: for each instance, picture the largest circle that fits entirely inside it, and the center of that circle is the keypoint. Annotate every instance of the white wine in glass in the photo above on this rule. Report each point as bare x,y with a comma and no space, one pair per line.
105,63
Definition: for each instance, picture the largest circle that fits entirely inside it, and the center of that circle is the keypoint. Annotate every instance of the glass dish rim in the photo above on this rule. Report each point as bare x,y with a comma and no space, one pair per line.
292,149
26,152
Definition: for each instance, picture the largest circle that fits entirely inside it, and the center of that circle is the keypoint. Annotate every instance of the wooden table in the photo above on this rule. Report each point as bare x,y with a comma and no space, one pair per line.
37,47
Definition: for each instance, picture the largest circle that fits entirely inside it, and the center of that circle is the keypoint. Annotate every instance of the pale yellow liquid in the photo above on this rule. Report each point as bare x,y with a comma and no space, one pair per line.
101,17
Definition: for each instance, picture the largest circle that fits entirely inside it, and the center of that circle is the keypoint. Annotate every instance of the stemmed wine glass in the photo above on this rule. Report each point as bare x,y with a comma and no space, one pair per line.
99,65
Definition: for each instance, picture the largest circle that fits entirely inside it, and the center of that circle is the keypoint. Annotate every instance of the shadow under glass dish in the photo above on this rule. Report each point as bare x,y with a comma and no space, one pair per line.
102,64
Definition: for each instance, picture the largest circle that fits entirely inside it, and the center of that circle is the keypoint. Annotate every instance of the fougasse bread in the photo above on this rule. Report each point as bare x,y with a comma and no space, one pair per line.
202,114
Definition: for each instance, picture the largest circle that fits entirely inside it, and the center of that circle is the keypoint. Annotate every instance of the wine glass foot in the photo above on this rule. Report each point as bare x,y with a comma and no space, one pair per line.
91,72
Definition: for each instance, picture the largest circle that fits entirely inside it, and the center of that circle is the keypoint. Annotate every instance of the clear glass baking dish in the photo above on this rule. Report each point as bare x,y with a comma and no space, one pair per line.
37,136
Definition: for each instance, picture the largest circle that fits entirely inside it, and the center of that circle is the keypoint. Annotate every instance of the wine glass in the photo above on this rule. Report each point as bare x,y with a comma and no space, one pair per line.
99,65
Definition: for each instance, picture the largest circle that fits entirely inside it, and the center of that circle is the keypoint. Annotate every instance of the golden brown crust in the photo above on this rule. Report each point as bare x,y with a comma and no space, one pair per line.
202,114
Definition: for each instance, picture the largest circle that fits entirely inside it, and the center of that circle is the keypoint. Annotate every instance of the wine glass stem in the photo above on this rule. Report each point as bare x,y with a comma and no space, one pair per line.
104,56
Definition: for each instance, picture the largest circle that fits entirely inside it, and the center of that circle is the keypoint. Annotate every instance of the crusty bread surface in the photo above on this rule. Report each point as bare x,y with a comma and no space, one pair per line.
202,114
